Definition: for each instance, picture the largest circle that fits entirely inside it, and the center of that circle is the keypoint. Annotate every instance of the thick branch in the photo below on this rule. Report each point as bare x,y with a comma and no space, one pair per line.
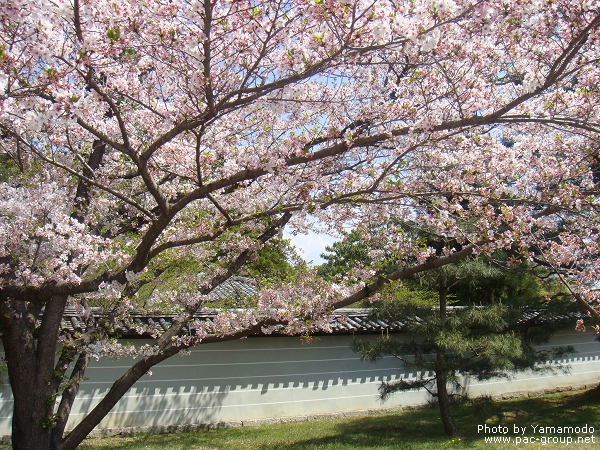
210,98
68,397
139,369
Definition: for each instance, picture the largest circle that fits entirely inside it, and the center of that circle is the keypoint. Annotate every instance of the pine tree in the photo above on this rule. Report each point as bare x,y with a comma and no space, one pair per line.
446,343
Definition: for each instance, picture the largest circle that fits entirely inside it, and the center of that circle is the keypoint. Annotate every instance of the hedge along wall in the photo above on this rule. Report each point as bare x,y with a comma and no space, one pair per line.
275,377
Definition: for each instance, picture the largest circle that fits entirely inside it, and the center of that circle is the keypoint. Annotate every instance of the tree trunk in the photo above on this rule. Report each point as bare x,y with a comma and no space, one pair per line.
442,371
30,354
444,403
31,414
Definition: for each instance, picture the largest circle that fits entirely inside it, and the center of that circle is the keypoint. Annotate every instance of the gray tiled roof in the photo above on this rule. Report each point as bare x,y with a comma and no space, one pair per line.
236,287
342,321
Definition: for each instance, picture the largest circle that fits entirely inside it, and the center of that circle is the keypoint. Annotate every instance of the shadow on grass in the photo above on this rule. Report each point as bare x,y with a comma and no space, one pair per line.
553,410
415,429
422,429
419,429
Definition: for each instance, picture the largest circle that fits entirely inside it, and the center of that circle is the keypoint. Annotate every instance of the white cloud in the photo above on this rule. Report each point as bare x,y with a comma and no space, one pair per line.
310,246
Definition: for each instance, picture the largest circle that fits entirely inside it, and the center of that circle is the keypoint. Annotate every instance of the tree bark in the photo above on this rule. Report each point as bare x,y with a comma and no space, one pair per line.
82,197
68,397
30,354
444,404
442,372
29,409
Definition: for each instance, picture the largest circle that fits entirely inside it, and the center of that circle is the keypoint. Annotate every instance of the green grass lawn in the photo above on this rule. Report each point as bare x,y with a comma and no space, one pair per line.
418,429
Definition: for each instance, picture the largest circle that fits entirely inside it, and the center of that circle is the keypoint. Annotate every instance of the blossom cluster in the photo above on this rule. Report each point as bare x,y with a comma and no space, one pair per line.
152,140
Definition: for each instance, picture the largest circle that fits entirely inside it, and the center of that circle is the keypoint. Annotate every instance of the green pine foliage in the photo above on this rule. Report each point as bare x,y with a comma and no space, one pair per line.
341,256
478,319
277,262
448,344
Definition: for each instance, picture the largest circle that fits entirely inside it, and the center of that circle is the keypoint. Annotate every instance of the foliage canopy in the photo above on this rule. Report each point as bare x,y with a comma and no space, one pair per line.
140,137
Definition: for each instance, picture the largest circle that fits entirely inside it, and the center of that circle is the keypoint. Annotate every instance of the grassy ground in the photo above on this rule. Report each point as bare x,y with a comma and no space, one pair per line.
419,429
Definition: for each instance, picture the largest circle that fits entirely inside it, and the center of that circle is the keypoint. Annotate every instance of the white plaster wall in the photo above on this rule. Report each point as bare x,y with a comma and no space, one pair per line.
275,377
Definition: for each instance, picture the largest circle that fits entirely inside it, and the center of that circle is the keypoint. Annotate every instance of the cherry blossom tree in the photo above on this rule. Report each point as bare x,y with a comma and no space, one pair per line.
139,135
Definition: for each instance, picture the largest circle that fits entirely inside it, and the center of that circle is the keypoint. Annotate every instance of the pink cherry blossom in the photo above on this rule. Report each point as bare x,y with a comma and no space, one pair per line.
136,136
